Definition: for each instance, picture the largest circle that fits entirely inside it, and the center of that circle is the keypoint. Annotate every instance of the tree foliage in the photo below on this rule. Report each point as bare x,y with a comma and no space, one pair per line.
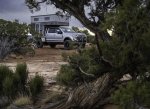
12,36
131,26
83,67
134,95
13,30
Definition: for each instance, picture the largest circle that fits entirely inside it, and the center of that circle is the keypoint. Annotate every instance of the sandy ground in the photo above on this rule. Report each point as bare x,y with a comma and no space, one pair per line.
46,62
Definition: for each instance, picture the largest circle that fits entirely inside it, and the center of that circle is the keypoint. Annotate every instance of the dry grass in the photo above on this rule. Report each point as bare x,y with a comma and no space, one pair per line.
22,101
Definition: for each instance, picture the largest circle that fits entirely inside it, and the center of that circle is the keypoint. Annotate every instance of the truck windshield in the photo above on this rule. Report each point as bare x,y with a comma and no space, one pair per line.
67,30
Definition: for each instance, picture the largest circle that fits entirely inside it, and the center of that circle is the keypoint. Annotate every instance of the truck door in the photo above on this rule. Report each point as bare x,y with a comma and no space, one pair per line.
50,34
58,35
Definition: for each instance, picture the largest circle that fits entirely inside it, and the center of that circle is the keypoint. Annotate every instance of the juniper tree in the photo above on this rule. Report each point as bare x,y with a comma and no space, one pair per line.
126,52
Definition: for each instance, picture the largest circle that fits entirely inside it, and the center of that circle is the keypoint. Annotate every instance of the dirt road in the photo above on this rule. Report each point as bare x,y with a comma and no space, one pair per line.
45,54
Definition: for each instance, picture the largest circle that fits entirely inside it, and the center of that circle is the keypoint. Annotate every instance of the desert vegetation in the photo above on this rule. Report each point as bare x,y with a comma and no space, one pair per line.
13,38
16,88
94,76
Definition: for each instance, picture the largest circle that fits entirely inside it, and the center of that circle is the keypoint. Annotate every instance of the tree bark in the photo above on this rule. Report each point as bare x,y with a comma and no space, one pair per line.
89,96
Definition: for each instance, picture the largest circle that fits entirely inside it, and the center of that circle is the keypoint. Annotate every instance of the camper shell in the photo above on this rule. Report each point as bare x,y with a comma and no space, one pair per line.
41,22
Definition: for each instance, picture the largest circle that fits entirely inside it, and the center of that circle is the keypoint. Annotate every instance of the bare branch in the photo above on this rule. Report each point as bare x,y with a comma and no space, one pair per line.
87,74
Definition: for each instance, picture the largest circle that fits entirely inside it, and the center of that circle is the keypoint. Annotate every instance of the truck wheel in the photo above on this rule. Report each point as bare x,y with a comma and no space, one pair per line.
52,45
67,44
39,43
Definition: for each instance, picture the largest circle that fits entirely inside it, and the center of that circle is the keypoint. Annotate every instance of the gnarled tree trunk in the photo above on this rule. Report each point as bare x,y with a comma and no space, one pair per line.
88,96
6,47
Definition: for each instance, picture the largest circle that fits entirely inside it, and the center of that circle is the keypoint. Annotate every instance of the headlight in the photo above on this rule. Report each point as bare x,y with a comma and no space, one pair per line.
74,38
43,39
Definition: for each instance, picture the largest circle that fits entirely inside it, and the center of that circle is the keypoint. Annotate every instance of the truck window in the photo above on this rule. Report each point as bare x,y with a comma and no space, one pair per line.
67,30
47,18
57,30
36,19
51,30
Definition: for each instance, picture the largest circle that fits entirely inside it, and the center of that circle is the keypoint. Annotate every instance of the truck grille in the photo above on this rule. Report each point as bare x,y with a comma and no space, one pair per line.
81,38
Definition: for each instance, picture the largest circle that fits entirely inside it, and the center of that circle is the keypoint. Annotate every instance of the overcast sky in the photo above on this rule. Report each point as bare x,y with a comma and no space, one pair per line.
16,9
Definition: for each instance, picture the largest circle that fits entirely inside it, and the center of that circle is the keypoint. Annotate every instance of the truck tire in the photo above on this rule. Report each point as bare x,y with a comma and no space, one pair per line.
52,45
39,43
67,44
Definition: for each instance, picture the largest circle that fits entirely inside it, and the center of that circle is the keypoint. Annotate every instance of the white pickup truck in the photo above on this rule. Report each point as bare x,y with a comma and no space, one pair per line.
61,35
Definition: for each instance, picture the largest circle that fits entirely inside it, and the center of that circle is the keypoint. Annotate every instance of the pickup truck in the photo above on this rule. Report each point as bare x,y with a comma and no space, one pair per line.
61,35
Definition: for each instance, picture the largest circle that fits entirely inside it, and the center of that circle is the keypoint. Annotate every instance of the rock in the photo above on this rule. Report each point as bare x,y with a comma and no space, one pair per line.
50,81
6,58
19,57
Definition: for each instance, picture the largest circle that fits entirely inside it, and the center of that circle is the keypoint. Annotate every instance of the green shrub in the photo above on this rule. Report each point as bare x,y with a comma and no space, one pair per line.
91,39
21,76
133,95
27,50
87,61
36,85
4,72
9,88
66,76
12,84
72,45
